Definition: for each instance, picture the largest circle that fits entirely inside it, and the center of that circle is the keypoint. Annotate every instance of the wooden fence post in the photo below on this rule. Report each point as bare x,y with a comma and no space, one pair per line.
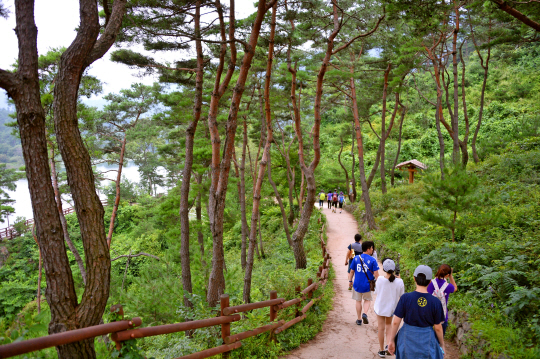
273,312
297,291
225,328
310,293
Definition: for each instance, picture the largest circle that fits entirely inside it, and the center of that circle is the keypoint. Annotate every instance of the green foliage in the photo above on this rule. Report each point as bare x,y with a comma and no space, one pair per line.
495,265
454,202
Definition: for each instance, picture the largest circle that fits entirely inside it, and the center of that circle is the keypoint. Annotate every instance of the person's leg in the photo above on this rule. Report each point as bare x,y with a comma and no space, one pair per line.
388,326
359,309
381,326
444,327
367,304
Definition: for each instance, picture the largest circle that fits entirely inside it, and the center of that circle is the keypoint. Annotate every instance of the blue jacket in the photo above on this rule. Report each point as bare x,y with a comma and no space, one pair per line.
417,343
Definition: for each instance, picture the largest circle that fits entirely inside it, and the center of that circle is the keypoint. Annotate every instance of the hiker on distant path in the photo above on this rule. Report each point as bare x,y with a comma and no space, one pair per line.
388,289
421,336
334,201
353,250
330,199
322,197
341,201
441,289
365,269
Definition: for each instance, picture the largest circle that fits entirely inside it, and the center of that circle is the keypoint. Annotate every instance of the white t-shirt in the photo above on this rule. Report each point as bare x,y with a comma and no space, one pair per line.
388,295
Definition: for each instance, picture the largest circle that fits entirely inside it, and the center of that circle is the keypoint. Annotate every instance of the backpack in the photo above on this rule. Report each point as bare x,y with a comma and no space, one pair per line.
334,197
352,254
341,199
322,197
439,293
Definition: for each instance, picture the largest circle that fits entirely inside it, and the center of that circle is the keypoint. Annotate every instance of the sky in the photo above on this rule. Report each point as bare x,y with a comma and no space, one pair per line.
56,21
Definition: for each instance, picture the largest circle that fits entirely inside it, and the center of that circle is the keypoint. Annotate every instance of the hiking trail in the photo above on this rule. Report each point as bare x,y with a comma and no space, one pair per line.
340,336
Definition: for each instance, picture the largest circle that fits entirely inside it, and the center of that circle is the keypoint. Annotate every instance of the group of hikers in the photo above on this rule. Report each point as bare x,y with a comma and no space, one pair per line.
334,199
423,311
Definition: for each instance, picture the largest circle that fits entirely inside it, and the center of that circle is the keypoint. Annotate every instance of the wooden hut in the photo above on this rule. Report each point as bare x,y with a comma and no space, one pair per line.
412,166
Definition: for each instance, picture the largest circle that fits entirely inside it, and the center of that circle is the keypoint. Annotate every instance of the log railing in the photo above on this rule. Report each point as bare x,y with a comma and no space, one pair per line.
10,232
125,329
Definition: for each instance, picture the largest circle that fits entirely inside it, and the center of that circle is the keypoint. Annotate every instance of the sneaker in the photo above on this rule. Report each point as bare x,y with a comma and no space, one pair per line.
382,354
358,322
364,318
386,350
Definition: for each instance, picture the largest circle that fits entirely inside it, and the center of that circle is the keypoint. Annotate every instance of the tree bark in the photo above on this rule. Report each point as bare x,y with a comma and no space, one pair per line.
243,197
198,216
503,5
188,163
309,172
255,213
280,202
455,117
485,66
369,218
383,127
343,167
403,112
23,87
58,198
117,196
83,51
353,178
220,168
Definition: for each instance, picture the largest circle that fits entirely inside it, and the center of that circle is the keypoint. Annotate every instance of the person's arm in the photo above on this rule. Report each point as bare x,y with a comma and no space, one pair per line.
351,275
440,335
396,322
347,255
452,280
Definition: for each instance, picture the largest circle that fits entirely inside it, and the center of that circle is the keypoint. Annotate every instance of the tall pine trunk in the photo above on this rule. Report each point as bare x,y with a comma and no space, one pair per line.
369,218
383,129
58,198
187,285
221,165
255,213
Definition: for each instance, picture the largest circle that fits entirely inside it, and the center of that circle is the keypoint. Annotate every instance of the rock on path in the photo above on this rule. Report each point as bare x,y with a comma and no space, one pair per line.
341,337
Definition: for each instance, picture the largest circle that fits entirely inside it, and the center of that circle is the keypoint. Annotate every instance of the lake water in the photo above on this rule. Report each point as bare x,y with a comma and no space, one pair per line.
23,205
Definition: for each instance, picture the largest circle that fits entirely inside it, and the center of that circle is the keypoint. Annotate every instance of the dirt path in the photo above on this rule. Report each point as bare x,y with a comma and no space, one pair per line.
341,337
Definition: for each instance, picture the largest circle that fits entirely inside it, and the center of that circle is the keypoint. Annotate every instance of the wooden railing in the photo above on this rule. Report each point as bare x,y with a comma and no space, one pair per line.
10,232
124,330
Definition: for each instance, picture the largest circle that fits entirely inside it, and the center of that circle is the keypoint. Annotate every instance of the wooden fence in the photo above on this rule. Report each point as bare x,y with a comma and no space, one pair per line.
10,232
125,329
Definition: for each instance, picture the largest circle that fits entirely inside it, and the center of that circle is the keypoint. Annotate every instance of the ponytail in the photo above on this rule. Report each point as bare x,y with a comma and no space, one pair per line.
392,276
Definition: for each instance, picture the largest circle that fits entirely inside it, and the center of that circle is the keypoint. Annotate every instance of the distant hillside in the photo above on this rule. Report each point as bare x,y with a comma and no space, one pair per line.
10,146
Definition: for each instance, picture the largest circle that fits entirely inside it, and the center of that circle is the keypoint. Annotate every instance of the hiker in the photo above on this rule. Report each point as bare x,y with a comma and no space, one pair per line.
421,336
341,201
329,198
334,201
365,270
322,197
353,250
388,289
441,289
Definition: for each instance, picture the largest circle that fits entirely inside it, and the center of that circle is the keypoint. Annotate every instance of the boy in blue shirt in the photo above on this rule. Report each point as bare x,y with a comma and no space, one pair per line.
421,335
363,266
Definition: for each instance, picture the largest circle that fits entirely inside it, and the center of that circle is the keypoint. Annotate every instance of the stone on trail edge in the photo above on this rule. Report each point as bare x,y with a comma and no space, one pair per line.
340,336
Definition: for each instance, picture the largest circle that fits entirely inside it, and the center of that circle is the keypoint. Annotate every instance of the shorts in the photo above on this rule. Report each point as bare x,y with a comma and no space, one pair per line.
340,205
335,204
359,296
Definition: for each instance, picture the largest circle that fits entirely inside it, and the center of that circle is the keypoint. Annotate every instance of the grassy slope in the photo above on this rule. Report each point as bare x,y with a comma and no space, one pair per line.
496,266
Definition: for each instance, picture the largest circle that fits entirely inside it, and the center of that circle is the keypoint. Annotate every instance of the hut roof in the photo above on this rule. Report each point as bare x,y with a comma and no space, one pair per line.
414,163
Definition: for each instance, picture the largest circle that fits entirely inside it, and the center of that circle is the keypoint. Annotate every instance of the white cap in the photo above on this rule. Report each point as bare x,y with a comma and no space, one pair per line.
389,265
424,269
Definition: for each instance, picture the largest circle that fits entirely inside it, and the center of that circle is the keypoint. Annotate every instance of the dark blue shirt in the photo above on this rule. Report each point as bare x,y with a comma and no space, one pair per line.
361,284
420,309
